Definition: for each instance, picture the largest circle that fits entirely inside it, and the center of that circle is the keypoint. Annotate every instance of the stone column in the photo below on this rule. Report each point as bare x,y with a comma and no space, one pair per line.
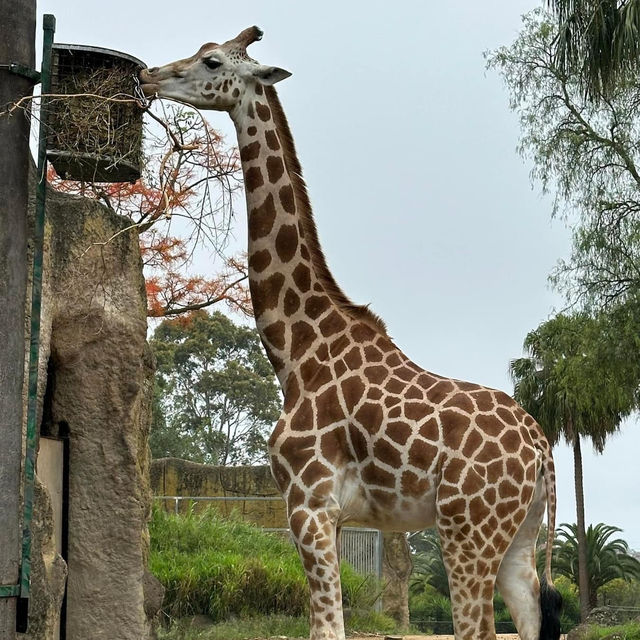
396,569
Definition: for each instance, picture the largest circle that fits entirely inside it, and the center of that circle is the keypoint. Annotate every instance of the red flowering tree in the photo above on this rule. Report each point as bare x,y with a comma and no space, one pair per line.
181,204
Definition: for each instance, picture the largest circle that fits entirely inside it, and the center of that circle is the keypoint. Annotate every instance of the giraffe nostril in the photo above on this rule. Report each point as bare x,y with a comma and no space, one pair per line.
153,70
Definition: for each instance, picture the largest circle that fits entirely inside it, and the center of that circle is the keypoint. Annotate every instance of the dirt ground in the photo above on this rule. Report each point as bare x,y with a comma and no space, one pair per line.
502,636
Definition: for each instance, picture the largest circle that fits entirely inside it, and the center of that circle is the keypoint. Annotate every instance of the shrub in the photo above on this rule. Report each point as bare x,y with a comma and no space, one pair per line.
223,568
620,593
430,611
629,631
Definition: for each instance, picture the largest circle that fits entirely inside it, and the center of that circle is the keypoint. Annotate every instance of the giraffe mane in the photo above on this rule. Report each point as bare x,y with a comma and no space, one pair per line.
358,312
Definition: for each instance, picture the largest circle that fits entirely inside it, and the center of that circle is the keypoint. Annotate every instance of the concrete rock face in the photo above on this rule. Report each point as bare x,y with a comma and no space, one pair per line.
98,369
175,477
48,569
396,569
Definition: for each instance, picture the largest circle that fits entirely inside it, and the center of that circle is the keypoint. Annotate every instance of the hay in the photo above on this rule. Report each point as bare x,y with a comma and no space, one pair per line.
95,130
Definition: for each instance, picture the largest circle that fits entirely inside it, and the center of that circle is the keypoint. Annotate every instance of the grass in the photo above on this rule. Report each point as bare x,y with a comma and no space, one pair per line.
224,568
628,631
254,627
270,626
249,583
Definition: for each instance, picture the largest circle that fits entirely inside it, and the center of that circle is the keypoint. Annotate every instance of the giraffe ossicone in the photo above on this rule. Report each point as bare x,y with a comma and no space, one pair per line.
365,433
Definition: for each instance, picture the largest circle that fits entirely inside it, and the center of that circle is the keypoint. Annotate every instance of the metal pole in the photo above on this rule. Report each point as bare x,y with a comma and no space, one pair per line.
49,26
17,46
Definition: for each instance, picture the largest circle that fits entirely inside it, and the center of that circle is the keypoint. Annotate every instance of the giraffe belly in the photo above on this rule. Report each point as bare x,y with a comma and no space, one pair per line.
370,505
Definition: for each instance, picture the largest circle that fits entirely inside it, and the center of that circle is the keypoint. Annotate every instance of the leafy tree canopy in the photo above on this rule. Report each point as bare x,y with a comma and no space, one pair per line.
607,558
586,153
599,40
581,375
216,395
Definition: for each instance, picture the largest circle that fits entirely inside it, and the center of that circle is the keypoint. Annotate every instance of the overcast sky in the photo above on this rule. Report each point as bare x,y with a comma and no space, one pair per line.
423,206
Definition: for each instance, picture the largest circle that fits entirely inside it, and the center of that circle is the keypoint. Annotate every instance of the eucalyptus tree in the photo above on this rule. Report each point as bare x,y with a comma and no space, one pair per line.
216,395
579,382
586,154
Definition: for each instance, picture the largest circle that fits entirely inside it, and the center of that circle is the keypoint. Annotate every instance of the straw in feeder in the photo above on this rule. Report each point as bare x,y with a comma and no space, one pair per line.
96,126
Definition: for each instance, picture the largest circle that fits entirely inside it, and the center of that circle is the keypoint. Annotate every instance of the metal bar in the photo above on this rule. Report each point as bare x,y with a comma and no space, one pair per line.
10,591
24,71
221,498
49,26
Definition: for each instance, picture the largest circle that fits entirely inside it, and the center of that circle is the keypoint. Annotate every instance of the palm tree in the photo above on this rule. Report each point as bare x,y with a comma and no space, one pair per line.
576,384
600,39
428,565
606,559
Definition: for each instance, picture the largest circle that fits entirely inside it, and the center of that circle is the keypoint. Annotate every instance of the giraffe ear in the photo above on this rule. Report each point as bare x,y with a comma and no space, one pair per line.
270,75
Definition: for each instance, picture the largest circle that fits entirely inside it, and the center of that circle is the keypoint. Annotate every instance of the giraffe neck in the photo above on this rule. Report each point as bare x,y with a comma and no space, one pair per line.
292,290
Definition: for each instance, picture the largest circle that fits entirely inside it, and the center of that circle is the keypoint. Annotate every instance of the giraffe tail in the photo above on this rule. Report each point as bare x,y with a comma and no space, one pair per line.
550,598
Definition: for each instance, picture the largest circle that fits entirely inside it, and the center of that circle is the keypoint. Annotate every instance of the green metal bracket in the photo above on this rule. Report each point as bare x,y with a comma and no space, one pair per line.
10,591
25,72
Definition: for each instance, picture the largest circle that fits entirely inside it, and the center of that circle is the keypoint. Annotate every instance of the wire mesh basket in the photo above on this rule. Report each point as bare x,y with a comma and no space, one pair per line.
95,123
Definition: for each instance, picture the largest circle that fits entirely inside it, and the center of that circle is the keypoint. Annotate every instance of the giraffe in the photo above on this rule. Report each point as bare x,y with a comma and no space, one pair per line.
366,434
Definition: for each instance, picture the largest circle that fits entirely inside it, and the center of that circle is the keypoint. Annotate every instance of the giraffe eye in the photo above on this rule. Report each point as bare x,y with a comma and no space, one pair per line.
211,63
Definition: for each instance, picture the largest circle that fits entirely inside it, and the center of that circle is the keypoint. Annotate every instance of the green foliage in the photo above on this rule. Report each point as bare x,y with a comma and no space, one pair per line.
629,631
620,593
587,153
570,615
216,397
202,560
607,559
578,380
239,629
370,622
271,626
599,40
428,565
430,611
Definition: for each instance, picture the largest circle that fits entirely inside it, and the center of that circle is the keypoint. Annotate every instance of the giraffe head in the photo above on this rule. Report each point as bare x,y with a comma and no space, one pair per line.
216,77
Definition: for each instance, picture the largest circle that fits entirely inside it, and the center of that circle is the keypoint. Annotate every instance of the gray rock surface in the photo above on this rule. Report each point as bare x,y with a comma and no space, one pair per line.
396,569
99,387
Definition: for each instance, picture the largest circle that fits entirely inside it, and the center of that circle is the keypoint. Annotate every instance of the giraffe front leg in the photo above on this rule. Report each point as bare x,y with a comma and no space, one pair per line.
315,535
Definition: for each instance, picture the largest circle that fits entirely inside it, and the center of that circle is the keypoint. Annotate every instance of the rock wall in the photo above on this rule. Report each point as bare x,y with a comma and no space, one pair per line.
174,477
98,371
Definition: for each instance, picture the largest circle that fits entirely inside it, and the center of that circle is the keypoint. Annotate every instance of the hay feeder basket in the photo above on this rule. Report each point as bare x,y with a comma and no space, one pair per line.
95,134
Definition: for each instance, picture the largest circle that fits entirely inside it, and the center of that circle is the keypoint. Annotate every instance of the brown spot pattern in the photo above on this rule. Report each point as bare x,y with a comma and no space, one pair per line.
286,198
260,260
265,294
287,242
275,168
263,111
261,219
250,151
302,337
291,302
272,140
253,179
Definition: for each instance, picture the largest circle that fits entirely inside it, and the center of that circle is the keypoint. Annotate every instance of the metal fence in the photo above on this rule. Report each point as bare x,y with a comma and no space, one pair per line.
359,546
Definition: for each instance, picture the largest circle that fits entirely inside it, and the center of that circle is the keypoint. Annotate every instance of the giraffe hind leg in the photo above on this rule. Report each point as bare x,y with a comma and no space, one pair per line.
517,579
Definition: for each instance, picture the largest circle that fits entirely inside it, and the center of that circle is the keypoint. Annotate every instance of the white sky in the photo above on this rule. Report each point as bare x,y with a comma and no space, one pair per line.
423,207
